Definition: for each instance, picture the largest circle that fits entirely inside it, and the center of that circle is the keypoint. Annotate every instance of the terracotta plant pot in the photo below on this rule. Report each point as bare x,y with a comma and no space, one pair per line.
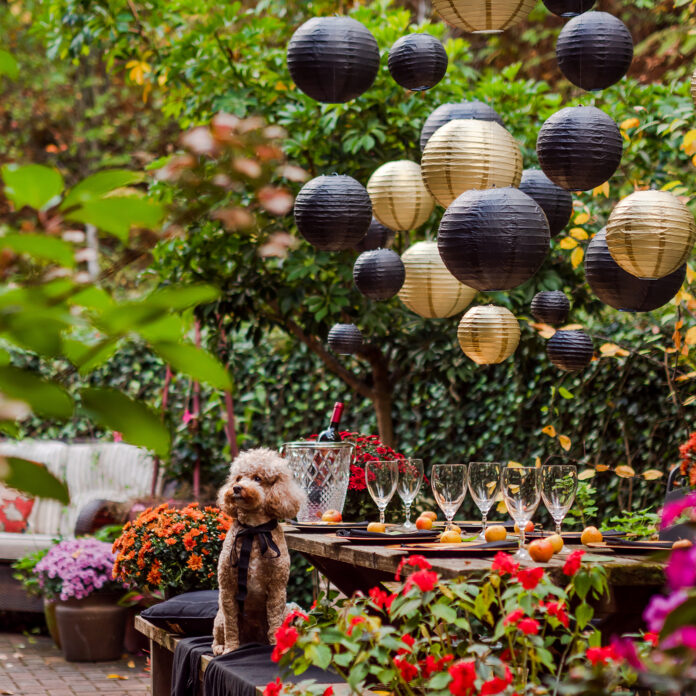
91,629
51,623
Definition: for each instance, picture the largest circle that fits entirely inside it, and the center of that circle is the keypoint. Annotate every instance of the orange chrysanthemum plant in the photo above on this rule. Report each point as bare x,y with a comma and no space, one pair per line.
171,550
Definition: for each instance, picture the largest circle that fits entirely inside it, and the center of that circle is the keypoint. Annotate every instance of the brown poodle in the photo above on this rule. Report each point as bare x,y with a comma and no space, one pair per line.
254,565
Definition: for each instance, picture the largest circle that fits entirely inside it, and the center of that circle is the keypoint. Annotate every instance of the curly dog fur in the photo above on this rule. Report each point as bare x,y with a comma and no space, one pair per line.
260,488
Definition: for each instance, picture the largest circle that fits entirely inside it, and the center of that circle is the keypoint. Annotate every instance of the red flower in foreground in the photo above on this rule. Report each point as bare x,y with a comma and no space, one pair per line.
651,638
381,599
463,678
408,671
530,627
572,565
431,665
286,637
328,691
558,610
504,565
530,577
513,617
600,656
273,688
497,684
416,561
425,579
355,621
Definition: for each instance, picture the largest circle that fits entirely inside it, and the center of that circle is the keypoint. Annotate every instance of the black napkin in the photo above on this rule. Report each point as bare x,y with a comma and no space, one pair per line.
187,663
364,534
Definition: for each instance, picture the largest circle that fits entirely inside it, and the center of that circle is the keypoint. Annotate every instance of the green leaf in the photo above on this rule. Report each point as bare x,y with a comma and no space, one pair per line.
85,356
137,423
40,246
196,363
45,398
583,614
8,65
32,184
444,612
92,297
116,215
439,681
34,478
181,297
320,655
99,184
565,393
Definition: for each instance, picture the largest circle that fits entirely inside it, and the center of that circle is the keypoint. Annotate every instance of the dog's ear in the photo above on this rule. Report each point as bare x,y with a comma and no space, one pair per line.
225,500
284,498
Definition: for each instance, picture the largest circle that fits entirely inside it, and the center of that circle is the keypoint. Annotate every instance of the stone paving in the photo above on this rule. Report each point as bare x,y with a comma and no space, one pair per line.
33,666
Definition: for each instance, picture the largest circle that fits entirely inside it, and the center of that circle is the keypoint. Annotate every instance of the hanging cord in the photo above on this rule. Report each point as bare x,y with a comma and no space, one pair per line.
231,425
196,424
165,397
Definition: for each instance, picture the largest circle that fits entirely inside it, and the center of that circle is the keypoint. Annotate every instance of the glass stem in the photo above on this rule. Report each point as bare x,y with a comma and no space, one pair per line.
522,532
449,523
484,519
381,515
558,528
408,513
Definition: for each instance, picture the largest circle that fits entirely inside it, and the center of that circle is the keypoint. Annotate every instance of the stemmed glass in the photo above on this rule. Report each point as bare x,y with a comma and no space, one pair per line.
559,482
521,487
449,487
484,485
410,478
381,478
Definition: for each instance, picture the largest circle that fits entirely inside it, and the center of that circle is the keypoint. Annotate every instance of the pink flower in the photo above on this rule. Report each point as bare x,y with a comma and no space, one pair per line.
673,510
188,417
681,569
660,607
530,577
117,436
625,648
684,636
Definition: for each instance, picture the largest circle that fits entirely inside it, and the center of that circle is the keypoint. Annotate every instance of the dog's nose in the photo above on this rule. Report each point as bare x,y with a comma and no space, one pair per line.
236,490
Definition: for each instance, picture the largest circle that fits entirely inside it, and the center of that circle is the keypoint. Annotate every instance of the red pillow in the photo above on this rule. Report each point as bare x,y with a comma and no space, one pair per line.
15,509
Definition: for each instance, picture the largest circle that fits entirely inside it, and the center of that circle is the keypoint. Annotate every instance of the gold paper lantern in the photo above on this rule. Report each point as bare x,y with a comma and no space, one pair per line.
488,334
650,234
483,16
693,87
469,154
399,197
430,290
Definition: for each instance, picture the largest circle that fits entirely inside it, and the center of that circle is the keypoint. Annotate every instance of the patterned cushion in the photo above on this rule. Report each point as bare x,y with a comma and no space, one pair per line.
15,509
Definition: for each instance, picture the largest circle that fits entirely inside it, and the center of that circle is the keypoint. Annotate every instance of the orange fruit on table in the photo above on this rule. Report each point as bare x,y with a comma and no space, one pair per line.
529,527
541,550
496,532
430,514
591,535
332,516
450,537
557,542
682,544
377,527
424,523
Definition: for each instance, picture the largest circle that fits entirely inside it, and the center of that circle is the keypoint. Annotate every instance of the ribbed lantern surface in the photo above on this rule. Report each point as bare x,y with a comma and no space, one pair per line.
620,289
470,154
333,59
333,212
378,236
557,203
488,334
568,8
570,350
650,233
579,147
445,113
345,339
430,290
399,197
483,16
550,307
379,274
594,50
417,61
494,239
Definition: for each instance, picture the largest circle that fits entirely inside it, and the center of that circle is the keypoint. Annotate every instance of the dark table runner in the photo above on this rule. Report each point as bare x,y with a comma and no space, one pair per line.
187,664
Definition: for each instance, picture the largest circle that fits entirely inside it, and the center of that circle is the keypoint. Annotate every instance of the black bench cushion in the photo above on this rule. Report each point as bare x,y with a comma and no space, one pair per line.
188,614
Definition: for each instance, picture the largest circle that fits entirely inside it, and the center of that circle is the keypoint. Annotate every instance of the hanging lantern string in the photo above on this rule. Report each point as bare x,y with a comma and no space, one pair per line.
231,425
165,399
196,415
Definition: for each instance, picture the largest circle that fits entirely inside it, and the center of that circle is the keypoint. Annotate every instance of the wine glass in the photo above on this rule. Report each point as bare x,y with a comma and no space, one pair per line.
410,478
521,487
484,485
381,478
449,487
559,482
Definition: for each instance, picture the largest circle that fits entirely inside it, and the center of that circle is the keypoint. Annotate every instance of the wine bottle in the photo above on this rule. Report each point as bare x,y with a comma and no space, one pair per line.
331,434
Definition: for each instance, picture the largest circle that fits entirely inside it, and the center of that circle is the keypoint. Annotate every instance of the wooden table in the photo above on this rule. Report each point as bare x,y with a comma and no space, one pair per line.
632,579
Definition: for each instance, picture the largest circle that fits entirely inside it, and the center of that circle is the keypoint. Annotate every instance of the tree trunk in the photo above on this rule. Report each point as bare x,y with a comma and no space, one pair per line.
382,393
382,402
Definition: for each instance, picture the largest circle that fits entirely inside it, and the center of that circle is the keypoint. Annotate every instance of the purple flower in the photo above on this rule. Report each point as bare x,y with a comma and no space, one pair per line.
626,648
684,636
659,608
673,510
681,569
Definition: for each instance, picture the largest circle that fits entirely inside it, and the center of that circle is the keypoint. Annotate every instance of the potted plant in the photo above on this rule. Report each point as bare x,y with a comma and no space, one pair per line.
77,575
171,550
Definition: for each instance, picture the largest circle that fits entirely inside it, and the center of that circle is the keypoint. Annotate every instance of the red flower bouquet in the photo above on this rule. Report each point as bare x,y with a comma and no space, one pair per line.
687,452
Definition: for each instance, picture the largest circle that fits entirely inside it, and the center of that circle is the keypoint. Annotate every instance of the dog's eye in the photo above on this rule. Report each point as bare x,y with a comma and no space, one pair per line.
239,478
257,479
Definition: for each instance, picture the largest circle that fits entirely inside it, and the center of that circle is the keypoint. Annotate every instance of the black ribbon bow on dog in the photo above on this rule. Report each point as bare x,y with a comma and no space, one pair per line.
240,559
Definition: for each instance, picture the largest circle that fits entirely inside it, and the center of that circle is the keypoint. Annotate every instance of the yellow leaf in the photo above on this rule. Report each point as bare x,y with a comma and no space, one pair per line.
115,676
572,327
579,233
577,256
586,474
624,471
652,474
629,123
690,400
670,185
693,160
689,142
280,87
603,189
549,430
690,337
568,243
690,274
686,377
601,467
501,507
581,218
537,463
565,442
514,465
130,664
545,331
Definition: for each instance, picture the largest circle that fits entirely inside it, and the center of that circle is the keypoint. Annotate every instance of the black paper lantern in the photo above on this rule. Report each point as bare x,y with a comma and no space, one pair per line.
379,274
621,290
594,50
557,203
345,339
333,59
579,148
493,239
550,307
570,350
333,212
417,61
451,112
378,236
568,8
